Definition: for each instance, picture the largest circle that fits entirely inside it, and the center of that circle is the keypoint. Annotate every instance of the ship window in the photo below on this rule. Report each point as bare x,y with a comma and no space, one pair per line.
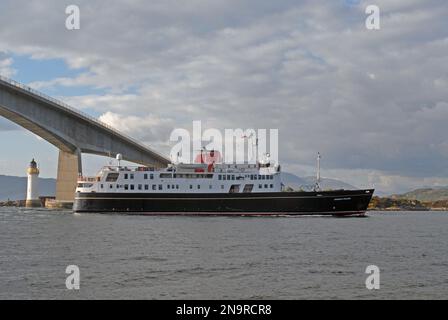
88,185
126,176
172,186
255,177
146,187
169,187
160,187
132,187
140,187
260,186
165,175
248,188
210,186
126,187
177,186
112,177
265,186
145,176
191,186
224,177
271,185
199,186
102,186
235,188
111,186
132,176
153,187
219,177
151,176
233,177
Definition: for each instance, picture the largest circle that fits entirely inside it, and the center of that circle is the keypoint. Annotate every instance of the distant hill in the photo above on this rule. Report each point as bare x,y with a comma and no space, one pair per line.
14,188
424,194
307,183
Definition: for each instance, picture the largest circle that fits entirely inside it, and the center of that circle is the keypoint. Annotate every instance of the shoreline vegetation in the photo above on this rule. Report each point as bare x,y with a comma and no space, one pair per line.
399,204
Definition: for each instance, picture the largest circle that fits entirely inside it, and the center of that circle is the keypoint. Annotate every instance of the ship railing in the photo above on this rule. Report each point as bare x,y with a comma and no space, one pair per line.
128,168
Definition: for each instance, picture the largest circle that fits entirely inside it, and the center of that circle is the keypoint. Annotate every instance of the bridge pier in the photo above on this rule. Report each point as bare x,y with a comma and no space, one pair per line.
69,169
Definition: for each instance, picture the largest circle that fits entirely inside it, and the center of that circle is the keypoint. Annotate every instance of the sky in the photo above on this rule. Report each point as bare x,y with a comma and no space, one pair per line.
374,103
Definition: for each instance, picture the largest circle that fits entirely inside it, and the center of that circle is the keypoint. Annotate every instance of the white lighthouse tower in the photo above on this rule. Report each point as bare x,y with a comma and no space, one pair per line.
32,194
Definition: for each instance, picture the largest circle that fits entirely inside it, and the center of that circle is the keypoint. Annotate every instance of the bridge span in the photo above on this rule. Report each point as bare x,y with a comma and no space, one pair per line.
71,131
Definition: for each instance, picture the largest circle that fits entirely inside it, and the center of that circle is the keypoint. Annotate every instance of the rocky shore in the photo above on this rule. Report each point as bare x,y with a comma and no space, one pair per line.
12,203
396,204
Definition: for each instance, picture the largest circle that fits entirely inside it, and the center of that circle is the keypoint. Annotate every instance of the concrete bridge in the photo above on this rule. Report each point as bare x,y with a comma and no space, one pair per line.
71,131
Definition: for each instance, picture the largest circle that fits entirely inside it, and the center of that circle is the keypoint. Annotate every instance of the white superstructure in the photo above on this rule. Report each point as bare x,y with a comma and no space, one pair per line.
204,176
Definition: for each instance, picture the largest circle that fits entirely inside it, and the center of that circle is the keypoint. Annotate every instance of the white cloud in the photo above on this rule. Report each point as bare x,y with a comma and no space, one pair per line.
149,129
6,68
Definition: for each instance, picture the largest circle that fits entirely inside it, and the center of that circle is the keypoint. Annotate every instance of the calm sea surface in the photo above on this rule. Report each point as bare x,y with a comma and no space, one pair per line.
137,257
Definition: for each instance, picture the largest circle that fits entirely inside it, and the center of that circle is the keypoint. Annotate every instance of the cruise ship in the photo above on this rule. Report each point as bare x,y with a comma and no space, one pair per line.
209,187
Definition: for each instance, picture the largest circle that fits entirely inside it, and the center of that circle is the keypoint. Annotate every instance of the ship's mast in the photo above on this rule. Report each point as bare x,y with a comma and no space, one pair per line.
252,139
317,187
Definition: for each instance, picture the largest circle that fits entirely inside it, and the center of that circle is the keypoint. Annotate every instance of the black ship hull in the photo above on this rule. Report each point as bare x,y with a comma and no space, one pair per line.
336,203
